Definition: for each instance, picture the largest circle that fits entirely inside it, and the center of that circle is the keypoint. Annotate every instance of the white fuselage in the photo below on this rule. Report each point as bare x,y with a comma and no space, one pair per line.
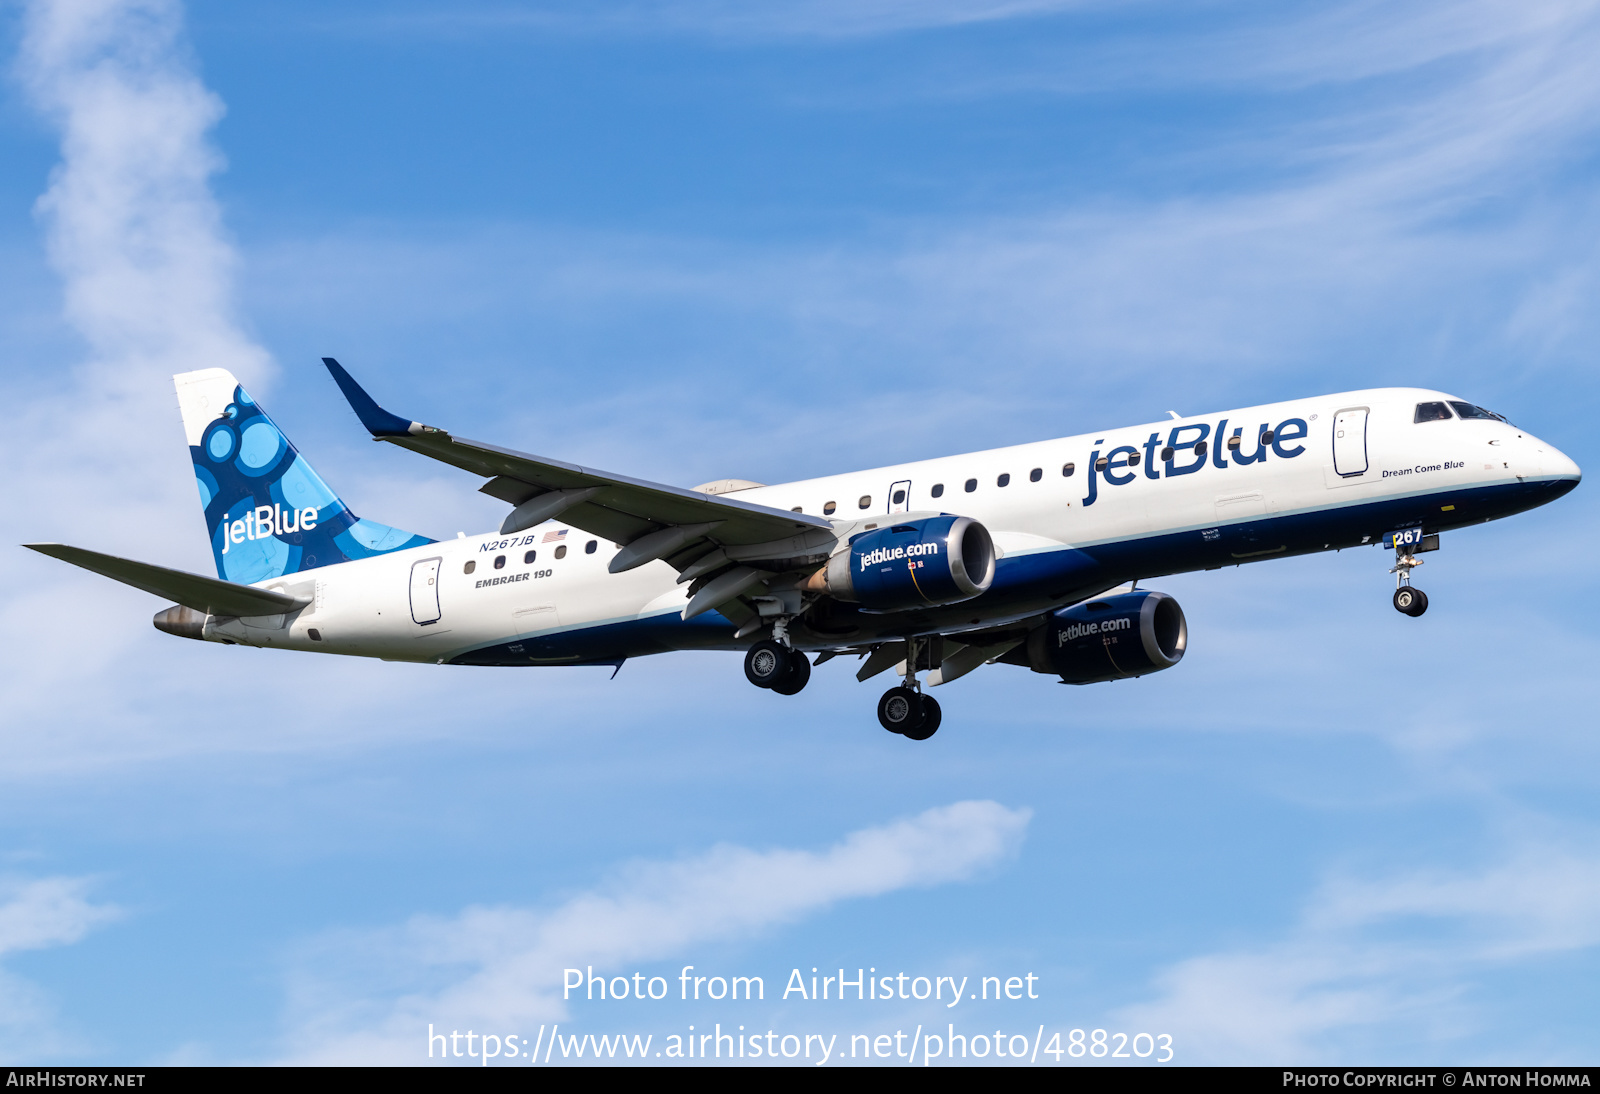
1062,535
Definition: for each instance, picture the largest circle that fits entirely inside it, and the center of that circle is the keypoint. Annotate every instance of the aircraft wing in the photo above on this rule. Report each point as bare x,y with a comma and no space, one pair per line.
652,520
203,594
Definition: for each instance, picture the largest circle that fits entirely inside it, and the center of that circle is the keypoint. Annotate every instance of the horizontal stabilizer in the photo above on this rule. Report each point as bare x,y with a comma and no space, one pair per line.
203,594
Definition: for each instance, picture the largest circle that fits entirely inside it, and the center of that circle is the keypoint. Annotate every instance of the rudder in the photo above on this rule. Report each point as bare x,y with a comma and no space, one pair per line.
267,512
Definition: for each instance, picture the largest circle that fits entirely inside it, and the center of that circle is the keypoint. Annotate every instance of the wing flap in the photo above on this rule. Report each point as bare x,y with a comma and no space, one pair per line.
203,594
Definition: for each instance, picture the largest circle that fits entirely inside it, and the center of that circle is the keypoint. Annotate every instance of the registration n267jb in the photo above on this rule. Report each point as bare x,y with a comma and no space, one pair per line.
1030,556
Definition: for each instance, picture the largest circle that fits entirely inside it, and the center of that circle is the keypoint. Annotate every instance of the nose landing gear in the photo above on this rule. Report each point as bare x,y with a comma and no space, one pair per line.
1408,600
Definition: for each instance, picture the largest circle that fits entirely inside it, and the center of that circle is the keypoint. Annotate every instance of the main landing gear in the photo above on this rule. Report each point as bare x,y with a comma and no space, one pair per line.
908,712
1407,599
772,664
904,709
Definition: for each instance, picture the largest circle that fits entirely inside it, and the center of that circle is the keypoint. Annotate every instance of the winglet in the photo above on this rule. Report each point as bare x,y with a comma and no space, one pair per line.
379,422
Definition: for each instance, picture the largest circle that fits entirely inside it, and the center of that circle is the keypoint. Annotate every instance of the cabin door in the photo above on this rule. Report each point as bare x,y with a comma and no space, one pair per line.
1350,442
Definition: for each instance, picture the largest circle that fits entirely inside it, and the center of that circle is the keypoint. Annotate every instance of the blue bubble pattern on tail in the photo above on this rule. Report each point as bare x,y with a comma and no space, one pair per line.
268,513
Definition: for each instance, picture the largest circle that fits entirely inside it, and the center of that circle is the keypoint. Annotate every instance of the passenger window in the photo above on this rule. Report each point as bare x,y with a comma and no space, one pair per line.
469,567
1166,455
829,507
1036,474
561,551
1067,469
1101,464
797,509
527,559
971,485
1431,412
865,502
1003,480
499,562
1467,410
1267,437
1199,448
938,490
899,497
589,548
1233,441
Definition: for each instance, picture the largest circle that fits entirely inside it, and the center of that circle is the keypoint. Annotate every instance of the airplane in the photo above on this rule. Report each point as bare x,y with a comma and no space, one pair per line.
1029,556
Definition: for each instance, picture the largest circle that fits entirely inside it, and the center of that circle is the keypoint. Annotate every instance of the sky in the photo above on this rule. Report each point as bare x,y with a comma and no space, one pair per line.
689,240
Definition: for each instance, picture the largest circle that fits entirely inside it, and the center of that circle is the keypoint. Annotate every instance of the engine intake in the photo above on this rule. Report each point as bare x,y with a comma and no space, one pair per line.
932,560
1112,638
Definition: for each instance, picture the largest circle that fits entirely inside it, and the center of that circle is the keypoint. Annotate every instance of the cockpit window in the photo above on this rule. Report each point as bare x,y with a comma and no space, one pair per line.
1467,410
1432,412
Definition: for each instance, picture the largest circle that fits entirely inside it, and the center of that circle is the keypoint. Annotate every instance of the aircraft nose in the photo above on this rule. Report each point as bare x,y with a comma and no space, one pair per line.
1563,466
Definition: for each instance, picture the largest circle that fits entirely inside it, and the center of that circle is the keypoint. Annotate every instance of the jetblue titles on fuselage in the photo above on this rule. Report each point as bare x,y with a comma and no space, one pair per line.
1187,450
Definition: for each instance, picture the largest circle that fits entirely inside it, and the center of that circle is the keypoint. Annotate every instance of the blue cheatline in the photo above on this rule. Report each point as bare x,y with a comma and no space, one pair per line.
268,513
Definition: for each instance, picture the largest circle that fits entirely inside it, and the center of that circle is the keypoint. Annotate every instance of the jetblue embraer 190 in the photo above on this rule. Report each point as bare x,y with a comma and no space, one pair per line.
1028,556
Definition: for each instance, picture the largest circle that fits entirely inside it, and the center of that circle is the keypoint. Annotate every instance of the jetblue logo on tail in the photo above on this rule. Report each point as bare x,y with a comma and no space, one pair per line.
262,522
269,513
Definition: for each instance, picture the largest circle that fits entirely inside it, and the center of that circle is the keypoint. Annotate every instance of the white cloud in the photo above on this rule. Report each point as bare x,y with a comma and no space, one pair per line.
1385,963
136,237
147,271
366,998
802,19
35,915
133,231
47,912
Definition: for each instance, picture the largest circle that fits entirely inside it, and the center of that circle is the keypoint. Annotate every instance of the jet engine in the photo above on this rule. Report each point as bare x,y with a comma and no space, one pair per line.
1112,638
923,562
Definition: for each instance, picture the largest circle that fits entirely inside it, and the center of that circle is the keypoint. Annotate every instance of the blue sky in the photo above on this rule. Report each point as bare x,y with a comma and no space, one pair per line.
693,240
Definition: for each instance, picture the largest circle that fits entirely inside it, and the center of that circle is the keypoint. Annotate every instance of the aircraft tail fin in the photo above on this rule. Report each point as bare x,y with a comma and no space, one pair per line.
267,512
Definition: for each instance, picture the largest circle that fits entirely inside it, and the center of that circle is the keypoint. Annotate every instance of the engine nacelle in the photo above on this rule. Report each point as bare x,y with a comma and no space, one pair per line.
931,560
1111,638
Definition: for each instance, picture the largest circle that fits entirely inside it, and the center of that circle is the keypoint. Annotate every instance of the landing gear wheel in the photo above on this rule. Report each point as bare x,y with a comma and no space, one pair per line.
768,663
931,717
1410,601
900,711
799,675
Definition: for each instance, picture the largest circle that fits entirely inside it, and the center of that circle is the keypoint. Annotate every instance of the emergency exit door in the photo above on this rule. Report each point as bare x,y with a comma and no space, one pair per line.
425,591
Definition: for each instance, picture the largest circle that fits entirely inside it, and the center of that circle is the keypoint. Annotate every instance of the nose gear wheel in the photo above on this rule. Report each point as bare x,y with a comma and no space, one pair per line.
1410,601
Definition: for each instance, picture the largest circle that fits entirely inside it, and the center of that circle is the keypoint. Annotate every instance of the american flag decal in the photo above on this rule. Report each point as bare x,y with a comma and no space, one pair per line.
549,536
